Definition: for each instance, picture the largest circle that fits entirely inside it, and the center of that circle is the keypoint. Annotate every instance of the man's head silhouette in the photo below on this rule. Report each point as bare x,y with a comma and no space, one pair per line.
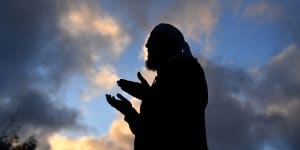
165,41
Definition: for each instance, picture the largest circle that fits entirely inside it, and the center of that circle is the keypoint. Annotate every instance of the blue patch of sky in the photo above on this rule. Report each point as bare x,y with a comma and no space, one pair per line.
95,115
130,62
71,91
98,115
246,41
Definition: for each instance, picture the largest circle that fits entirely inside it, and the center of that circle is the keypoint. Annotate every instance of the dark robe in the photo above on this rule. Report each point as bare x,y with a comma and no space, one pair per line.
173,117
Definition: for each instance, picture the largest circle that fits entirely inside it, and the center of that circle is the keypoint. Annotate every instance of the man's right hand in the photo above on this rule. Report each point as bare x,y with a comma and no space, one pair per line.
139,90
122,104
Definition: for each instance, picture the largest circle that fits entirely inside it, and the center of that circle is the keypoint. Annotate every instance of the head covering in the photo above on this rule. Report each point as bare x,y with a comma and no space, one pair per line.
174,35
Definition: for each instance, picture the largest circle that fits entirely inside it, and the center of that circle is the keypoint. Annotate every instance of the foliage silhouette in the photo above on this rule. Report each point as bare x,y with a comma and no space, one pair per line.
9,139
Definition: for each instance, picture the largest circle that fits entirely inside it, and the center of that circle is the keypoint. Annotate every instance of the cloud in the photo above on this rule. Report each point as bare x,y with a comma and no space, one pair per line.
283,14
121,134
102,79
43,45
227,120
59,142
278,94
249,110
33,112
93,29
263,9
119,138
30,78
196,18
106,77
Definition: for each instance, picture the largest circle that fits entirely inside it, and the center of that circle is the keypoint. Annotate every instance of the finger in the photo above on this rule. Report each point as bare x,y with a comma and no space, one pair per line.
115,103
121,81
122,98
142,79
109,98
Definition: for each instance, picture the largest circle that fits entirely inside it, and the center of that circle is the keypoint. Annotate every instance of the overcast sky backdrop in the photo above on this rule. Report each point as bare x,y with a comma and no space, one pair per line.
59,57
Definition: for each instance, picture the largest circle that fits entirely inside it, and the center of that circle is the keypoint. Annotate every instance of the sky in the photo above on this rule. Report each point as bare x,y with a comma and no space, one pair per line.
58,58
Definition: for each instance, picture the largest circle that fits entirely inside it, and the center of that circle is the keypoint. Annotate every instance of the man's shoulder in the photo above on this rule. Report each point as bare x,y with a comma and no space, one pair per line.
184,62
183,67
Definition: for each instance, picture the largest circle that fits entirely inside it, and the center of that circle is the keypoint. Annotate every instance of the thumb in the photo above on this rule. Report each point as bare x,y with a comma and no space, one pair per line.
142,79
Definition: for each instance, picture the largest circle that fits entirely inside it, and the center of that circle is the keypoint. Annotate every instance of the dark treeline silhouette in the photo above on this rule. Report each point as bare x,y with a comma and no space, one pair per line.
12,143
172,112
9,138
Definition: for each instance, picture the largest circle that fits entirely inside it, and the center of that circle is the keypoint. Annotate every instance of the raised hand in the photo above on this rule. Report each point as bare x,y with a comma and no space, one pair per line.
122,104
139,90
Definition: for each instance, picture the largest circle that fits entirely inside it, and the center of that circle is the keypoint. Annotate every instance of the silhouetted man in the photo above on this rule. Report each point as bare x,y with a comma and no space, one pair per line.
172,112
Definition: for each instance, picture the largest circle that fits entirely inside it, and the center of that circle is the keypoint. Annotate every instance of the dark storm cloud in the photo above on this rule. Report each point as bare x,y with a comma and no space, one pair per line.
38,55
33,112
259,108
278,91
32,108
33,66
278,88
34,45
228,121
247,110
20,28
